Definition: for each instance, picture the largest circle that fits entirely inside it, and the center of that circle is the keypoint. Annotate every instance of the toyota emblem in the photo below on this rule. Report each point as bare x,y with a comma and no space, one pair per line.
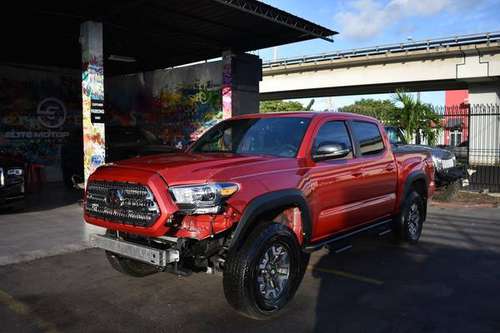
114,198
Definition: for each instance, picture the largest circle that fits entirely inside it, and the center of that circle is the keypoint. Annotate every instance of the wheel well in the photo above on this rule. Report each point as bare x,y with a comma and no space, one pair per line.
291,216
420,187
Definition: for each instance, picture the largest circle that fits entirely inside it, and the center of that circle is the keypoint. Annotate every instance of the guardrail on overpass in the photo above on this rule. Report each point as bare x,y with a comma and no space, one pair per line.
483,38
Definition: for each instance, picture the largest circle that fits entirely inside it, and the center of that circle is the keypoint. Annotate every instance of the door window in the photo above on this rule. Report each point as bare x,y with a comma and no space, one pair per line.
369,137
456,138
334,132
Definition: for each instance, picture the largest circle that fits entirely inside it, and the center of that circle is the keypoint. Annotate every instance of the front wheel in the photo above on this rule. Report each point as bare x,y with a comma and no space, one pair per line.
409,223
262,277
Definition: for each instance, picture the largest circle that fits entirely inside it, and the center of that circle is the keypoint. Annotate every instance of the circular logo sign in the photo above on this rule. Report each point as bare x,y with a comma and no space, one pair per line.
51,112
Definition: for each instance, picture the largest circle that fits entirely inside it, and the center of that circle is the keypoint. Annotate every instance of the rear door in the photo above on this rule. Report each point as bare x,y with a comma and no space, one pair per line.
377,193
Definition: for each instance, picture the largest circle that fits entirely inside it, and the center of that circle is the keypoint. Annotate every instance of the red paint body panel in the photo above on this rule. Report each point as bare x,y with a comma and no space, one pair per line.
342,194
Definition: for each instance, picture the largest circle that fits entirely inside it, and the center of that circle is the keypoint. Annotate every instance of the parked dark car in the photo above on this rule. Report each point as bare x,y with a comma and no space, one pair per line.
12,185
121,143
461,151
445,163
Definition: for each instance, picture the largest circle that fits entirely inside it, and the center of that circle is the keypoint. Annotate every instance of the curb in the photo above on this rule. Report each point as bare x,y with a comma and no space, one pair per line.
462,205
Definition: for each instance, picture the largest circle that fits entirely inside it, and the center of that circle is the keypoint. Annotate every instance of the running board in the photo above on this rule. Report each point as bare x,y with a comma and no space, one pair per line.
385,232
316,246
343,249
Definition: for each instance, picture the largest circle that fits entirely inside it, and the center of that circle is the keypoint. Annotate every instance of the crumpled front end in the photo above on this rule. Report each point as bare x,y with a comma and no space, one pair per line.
138,201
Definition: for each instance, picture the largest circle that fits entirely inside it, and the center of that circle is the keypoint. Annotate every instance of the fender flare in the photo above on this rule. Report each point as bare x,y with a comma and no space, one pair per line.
412,178
267,203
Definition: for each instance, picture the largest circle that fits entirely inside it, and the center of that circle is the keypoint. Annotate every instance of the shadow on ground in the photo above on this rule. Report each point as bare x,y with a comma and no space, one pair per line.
50,196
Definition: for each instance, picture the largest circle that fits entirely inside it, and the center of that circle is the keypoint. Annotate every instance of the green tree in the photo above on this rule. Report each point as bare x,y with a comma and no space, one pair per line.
280,106
383,110
417,118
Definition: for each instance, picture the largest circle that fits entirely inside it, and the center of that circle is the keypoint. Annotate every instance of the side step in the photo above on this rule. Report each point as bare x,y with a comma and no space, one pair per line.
383,227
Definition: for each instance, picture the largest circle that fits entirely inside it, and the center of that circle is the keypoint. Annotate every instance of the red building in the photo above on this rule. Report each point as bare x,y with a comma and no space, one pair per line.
456,117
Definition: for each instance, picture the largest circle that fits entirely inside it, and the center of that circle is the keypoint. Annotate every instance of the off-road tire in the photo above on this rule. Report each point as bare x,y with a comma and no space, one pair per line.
241,271
129,266
404,230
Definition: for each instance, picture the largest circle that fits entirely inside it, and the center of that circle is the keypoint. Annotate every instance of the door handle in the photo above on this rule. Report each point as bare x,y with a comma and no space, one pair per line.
390,167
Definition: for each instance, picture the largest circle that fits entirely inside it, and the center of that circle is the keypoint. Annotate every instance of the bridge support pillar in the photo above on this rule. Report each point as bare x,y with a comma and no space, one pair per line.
484,129
484,93
240,88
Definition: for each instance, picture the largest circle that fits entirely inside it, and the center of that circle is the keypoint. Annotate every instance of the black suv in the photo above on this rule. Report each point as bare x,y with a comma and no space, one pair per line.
12,171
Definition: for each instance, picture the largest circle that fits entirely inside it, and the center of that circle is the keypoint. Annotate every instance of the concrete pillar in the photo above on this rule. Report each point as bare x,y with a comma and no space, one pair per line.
484,93
94,144
484,130
227,84
240,85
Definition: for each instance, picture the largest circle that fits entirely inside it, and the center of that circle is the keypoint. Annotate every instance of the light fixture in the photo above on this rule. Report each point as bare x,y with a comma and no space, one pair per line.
115,57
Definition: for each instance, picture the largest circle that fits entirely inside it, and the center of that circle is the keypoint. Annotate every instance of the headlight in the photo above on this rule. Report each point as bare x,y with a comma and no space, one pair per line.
204,198
438,163
15,172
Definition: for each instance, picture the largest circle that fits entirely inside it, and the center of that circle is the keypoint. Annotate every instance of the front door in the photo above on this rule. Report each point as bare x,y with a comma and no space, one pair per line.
335,181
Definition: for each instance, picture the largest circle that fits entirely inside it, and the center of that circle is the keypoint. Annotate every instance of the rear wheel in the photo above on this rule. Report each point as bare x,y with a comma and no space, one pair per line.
263,276
408,225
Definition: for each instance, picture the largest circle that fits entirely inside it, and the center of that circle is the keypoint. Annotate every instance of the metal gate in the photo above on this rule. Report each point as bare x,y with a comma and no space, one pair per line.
472,132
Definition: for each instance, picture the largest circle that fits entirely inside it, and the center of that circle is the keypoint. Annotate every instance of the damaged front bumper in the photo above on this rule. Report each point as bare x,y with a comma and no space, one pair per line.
146,254
448,176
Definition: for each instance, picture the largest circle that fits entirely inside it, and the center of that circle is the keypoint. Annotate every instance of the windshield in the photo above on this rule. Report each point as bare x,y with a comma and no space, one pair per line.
279,136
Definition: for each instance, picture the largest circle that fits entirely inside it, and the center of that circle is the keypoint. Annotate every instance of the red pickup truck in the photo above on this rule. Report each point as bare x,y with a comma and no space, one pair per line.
253,197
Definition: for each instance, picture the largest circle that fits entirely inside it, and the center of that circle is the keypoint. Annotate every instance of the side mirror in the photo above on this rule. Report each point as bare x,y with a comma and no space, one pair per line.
330,151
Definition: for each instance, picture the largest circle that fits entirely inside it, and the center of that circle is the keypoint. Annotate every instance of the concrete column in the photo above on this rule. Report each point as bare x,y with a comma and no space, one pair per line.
94,144
484,130
240,90
484,93
227,84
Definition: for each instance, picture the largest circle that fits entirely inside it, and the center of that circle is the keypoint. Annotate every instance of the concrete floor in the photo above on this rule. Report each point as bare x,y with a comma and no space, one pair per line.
51,224
449,282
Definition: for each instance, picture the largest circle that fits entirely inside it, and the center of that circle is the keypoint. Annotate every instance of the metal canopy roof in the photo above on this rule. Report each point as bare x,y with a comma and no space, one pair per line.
156,33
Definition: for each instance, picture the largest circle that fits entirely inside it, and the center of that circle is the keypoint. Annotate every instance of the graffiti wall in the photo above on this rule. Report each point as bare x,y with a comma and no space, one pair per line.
38,110
41,108
177,105
93,118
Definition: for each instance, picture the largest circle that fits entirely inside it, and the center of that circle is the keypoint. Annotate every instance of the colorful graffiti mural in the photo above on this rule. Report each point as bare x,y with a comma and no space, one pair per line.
227,89
38,110
176,106
92,94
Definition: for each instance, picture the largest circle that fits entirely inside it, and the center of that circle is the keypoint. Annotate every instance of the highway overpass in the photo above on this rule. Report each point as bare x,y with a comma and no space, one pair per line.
463,62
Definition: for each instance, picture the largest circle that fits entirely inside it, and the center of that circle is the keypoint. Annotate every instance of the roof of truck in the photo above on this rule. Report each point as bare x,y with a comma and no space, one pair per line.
307,114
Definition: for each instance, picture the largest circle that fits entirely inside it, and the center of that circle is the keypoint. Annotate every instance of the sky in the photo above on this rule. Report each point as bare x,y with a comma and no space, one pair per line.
365,23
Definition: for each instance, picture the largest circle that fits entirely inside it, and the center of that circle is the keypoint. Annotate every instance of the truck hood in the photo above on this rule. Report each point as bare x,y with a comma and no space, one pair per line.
188,168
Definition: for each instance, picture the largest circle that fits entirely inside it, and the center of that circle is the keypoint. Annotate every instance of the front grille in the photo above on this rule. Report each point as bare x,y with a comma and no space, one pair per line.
125,203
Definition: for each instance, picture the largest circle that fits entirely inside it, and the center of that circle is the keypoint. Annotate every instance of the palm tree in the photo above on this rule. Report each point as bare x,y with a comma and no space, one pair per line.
417,118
